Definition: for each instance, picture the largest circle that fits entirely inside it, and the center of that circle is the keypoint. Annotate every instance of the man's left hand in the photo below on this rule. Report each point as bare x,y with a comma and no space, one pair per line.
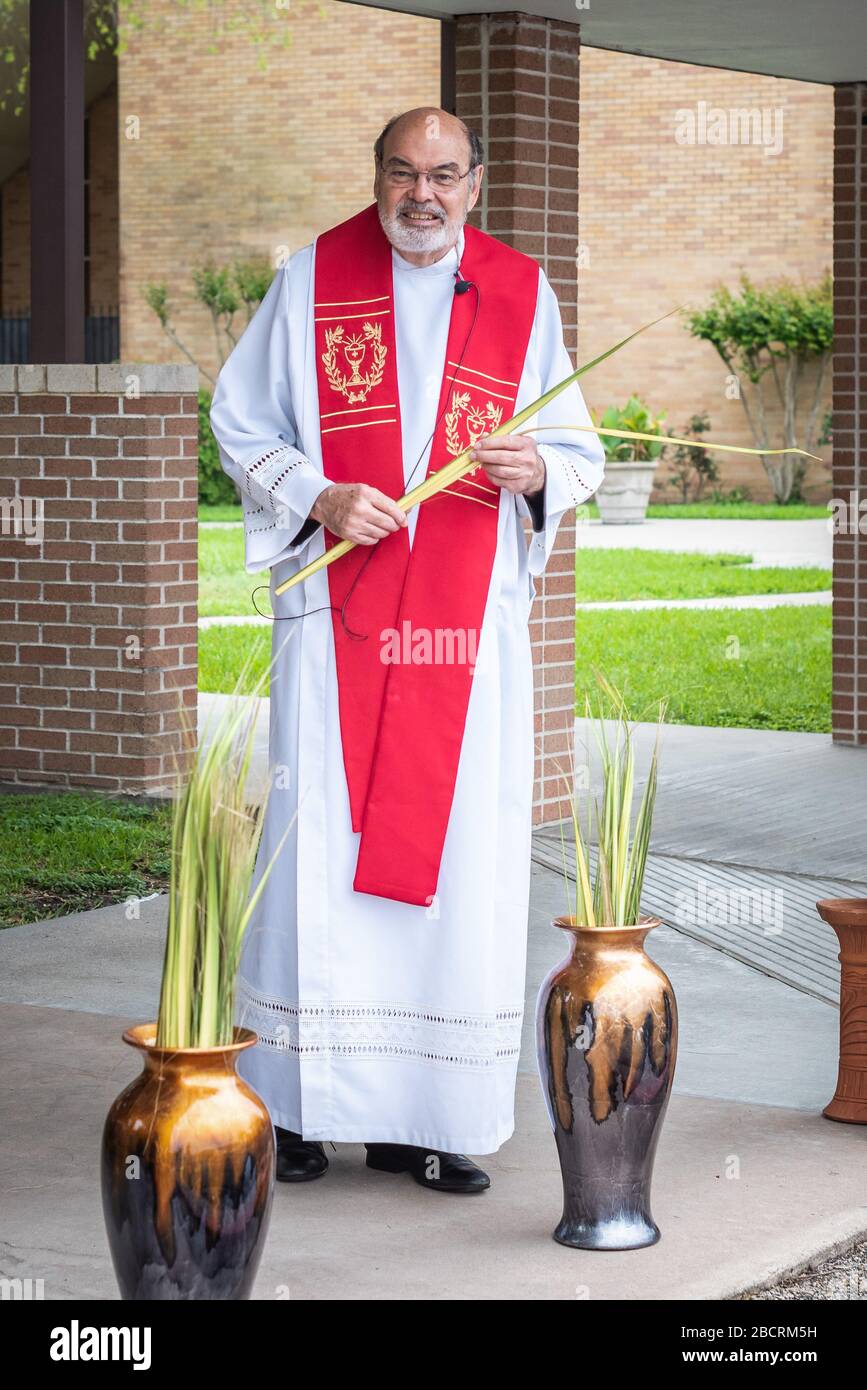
512,461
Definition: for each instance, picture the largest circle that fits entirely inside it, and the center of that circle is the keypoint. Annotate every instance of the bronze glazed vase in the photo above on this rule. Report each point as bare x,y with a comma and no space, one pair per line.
848,917
187,1173
606,1030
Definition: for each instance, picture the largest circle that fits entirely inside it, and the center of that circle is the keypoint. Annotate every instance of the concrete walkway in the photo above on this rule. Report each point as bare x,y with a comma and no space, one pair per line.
769,542
818,598
750,1180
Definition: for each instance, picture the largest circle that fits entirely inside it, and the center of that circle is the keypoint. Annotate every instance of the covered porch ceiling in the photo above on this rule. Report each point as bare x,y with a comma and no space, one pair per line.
781,38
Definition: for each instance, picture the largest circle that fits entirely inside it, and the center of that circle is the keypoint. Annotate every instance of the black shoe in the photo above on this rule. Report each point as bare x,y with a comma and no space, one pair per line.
440,1172
298,1159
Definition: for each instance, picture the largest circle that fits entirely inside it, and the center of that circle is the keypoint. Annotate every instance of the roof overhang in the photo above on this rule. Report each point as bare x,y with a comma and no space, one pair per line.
782,38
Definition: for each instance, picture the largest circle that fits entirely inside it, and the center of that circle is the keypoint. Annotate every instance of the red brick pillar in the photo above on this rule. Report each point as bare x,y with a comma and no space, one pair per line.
849,698
98,562
517,85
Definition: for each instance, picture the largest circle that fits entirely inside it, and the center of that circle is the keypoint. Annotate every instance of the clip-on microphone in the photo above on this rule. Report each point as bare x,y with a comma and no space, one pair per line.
461,286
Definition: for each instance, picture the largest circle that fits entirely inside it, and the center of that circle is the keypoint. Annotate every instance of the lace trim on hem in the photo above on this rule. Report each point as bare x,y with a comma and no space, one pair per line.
359,1029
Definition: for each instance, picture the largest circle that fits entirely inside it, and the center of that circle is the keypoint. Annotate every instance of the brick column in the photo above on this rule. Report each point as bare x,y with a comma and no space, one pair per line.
98,562
517,85
849,697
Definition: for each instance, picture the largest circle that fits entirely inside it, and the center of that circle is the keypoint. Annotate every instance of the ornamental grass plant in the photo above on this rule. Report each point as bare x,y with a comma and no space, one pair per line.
609,894
214,846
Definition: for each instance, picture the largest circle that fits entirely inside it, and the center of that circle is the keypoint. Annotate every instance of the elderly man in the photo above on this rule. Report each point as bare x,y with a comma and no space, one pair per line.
384,967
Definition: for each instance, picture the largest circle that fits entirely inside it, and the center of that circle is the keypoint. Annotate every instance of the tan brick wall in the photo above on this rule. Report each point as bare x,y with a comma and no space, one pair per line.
664,223
98,593
232,160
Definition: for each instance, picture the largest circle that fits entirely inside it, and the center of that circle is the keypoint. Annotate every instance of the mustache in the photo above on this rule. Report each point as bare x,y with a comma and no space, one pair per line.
408,205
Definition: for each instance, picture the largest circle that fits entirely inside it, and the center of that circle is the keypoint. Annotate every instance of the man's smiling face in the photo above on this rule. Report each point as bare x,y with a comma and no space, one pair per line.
422,215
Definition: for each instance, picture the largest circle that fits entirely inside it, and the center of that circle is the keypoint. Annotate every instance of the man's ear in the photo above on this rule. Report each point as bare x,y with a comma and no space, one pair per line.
477,187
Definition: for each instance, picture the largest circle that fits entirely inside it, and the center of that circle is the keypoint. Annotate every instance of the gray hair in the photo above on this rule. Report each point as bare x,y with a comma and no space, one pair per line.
477,154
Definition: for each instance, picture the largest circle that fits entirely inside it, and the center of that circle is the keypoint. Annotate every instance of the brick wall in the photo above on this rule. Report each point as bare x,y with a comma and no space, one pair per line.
517,83
849,700
99,634
664,223
235,160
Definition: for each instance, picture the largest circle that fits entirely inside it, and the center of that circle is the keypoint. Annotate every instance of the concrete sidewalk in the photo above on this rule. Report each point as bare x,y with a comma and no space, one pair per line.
769,542
750,1180
742,1192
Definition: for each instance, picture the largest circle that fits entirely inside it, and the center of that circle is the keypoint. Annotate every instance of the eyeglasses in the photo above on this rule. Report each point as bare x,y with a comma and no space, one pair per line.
440,178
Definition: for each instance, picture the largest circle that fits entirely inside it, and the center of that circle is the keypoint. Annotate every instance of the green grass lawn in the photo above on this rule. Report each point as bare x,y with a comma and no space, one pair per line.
744,668
63,852
223,651
731,511
739,668
780,680
611,575
225,587
222,511
753,668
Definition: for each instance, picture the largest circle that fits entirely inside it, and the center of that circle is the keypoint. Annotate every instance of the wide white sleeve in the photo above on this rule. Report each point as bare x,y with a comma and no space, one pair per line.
254,424
574,462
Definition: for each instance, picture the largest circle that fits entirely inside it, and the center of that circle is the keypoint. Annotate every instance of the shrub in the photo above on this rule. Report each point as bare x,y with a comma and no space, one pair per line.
215,485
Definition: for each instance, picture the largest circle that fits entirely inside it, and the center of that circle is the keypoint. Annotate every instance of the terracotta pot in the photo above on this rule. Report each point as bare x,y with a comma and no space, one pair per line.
606,1029
187,1173
848,917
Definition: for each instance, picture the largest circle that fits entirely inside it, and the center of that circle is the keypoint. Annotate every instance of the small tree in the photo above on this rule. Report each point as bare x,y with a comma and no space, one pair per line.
783,334
222,290
225,291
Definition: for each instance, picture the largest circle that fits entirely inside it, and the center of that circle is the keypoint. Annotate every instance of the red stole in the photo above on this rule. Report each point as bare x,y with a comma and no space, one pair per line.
402,722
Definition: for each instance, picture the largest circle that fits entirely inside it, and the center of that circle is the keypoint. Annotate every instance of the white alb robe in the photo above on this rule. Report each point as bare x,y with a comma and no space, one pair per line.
381,1021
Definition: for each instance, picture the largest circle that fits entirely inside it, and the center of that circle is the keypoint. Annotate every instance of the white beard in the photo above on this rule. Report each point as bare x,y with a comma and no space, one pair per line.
405,238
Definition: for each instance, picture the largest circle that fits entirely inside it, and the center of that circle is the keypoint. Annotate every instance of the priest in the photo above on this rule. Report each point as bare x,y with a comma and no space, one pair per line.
384,968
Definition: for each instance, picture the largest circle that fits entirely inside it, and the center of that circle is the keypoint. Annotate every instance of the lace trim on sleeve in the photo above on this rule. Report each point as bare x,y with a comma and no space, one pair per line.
572,475
270,470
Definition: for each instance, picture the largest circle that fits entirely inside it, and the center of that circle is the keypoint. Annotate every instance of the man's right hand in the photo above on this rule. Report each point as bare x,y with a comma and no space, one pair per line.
357,512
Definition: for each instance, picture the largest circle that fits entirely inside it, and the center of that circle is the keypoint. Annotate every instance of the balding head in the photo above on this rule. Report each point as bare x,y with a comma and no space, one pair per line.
432,123
428,176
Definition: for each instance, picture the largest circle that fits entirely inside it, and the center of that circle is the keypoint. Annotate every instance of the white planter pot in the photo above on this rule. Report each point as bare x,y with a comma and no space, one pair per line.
624,492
